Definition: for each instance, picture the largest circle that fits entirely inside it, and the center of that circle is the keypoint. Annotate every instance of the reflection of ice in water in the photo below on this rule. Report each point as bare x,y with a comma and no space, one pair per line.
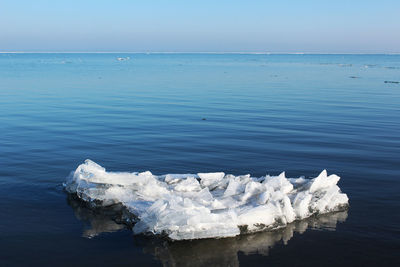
220,252
224,252
99,221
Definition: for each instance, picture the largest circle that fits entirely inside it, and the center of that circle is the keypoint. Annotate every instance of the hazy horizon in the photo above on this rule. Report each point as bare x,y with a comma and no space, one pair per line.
177,26
197,52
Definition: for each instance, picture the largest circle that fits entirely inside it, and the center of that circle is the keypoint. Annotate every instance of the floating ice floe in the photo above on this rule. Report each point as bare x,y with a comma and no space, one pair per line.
206,205
123,58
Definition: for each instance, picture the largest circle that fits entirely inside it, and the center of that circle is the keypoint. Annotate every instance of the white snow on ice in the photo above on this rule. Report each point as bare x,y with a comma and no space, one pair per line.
207,205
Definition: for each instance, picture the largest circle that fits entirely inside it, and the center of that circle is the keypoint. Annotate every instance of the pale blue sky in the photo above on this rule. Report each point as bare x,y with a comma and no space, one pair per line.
201,26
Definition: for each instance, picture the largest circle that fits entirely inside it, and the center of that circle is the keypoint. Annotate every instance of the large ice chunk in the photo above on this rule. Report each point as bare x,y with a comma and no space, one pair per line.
206,205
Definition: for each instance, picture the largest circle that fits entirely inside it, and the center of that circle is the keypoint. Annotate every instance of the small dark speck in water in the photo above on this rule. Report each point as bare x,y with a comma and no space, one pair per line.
392,82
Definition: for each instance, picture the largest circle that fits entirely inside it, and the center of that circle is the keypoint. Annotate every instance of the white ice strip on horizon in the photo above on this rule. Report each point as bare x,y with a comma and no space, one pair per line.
207,205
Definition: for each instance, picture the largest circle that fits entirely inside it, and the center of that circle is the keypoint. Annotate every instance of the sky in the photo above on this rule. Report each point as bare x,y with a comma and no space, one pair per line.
338,26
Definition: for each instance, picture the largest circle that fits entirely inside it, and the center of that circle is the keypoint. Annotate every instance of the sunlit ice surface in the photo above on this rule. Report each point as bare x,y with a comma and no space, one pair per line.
206,205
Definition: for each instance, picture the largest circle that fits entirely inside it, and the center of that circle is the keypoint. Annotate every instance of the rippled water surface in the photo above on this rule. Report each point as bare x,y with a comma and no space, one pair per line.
189,113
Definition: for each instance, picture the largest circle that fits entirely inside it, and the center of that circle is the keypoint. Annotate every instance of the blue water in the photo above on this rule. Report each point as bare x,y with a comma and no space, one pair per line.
188,113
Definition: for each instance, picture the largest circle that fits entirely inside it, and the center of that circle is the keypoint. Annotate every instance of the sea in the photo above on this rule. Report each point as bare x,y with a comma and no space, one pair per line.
238,113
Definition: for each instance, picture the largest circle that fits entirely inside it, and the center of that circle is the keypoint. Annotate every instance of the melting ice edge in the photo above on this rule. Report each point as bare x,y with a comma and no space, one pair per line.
206,205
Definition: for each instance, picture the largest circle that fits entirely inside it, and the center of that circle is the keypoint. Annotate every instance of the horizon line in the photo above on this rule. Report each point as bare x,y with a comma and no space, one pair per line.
199,52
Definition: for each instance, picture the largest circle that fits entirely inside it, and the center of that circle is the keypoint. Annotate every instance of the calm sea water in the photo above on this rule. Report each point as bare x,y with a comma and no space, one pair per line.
263,114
